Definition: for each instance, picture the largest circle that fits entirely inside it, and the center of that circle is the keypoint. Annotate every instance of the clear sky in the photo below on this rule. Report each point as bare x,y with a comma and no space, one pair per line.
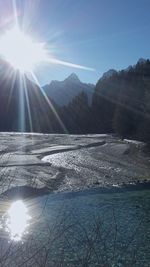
100,34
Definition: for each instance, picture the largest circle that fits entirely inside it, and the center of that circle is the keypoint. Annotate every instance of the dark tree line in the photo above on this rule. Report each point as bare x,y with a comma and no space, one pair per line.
120,104
127,97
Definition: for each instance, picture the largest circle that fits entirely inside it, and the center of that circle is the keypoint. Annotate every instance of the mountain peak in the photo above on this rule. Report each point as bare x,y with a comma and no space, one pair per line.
108,74
141,60
73,77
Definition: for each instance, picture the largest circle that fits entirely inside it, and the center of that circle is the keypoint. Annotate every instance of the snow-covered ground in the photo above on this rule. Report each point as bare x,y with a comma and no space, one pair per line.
69,162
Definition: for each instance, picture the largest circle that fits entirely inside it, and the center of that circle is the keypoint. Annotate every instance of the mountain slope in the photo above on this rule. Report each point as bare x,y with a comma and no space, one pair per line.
23,106
62,92
121,102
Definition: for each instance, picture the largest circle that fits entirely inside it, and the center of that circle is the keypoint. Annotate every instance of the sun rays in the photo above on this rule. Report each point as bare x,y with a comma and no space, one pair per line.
24,53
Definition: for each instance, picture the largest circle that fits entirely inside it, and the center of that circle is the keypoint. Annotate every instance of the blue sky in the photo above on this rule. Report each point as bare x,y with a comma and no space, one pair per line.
101,34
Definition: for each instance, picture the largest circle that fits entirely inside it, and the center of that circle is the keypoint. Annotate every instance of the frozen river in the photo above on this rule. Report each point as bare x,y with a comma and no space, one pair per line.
68,200
57,163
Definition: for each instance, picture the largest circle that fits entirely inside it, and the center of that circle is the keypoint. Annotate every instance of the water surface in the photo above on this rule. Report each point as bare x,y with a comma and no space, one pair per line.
88,228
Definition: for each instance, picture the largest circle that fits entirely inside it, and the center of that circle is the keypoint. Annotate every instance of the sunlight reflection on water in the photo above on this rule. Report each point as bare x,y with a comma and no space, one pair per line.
17,220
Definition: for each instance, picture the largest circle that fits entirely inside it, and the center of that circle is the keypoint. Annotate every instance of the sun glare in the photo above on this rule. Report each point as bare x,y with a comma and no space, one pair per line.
21,51
24,53
17,220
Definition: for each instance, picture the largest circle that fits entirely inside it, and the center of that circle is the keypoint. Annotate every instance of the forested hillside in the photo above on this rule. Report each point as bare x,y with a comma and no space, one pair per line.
121,103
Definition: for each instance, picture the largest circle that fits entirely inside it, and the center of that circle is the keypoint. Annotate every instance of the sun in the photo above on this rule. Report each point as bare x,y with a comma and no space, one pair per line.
21,51
25,53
